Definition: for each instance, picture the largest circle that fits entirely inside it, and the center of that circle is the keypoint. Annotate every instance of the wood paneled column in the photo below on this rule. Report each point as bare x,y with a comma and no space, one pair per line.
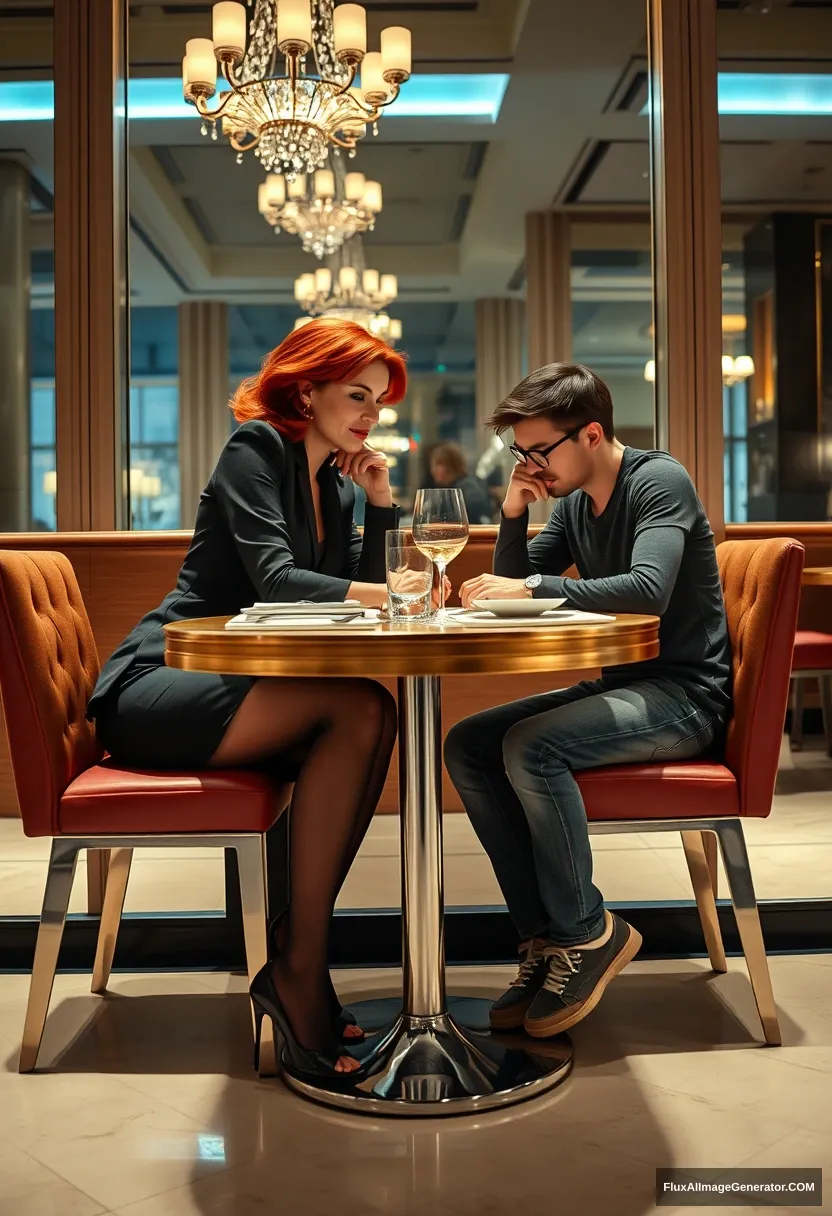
204,417
548,288
687,241
91,219
500,327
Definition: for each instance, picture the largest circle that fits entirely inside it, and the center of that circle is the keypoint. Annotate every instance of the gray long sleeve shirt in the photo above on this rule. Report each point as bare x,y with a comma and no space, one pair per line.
651,551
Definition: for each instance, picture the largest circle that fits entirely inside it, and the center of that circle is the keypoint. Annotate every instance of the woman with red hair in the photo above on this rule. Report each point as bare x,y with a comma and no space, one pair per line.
275,524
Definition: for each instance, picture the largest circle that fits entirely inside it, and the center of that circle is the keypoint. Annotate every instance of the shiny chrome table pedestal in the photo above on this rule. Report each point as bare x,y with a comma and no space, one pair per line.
437,1056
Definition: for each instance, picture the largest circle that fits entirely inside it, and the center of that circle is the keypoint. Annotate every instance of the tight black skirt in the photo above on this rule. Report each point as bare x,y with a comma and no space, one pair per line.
169,719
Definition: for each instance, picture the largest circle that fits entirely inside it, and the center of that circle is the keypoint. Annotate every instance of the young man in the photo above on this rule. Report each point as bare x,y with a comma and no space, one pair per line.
633,525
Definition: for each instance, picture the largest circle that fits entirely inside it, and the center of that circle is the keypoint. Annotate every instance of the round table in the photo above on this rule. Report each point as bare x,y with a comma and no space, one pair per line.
438,1056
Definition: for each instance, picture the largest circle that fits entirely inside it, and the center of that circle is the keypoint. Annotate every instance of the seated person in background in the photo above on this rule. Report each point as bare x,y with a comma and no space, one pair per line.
632,523
275,523
450,471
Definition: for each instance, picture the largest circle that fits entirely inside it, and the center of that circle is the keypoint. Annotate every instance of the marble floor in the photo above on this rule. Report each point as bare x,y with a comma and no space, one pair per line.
146,1105
791,858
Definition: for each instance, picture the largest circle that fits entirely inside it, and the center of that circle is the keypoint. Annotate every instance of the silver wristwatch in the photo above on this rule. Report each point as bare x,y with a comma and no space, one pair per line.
533,582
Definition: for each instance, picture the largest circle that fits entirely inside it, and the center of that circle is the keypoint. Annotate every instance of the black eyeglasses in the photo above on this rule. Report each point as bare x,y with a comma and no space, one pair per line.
540,456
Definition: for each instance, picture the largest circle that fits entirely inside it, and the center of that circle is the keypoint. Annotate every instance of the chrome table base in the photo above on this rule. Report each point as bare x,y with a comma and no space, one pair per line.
448,1064
434,1056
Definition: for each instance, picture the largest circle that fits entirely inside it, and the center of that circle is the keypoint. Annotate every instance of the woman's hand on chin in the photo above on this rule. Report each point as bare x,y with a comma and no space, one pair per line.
368,469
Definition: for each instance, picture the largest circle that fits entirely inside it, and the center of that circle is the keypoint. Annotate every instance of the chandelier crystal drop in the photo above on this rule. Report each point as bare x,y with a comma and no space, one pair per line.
324,210
292,120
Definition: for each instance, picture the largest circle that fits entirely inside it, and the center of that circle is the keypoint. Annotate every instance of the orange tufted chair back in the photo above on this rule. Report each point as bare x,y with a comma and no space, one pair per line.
48,668
761,587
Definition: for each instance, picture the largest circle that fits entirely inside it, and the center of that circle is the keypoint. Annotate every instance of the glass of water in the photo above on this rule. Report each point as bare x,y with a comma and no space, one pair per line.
409,578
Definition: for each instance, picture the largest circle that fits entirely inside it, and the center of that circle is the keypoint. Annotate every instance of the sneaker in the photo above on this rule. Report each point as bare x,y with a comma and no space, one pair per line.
509,1010
576,979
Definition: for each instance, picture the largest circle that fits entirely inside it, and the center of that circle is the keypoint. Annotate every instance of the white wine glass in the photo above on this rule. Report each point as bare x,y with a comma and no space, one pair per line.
440,531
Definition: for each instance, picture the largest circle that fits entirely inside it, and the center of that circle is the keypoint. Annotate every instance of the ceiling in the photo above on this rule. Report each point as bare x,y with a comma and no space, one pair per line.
571,134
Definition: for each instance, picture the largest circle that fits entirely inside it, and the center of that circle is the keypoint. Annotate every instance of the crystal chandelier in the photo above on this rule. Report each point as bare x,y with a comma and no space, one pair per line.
335,209
291,120
322,295
734,369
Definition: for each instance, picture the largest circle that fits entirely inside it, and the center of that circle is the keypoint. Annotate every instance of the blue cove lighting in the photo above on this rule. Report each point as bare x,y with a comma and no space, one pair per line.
476,97
774,93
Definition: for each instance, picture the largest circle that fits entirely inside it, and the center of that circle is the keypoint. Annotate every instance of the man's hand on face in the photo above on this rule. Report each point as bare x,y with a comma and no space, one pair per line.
524,489
492,587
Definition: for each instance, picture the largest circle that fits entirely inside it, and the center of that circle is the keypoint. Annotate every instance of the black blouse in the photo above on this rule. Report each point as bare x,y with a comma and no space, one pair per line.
255,539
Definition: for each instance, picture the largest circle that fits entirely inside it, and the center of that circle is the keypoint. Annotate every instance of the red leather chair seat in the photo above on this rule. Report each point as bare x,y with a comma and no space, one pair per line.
107,798
812,651
659,791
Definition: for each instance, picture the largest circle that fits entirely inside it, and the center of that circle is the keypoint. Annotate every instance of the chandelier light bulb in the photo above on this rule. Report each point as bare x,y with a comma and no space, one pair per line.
275,189
200,66
396,53
369,282
354,184
387,416
743,366
394,331
323,280
348,278
727,365
263,200
371,198
229,30
349,23
650,371
304,287
324,183
389,287
294,26
373,85
296,186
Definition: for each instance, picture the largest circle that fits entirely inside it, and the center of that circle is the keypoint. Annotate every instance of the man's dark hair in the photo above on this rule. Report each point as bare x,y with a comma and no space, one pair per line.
568,394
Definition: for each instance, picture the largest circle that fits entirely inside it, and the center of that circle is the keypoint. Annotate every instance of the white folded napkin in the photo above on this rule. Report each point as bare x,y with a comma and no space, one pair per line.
260,622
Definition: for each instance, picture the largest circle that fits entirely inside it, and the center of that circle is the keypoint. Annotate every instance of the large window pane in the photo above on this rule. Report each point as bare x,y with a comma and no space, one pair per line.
27,343
775,86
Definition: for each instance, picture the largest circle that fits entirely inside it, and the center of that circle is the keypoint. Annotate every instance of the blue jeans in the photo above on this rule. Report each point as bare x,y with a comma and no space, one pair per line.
513,769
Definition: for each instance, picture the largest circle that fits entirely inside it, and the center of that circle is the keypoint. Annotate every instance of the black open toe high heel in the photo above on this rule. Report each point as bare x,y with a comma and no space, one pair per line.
341,1017
267,1003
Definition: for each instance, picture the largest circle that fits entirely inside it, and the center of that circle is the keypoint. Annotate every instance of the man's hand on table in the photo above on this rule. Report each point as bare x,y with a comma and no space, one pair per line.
493,587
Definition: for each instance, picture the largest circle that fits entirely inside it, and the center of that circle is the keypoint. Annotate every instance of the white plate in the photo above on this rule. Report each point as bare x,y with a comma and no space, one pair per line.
516,608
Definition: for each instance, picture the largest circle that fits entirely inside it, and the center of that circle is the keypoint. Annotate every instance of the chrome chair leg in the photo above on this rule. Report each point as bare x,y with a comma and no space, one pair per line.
796,734
738,869
252,868
59,878
696,855
118,874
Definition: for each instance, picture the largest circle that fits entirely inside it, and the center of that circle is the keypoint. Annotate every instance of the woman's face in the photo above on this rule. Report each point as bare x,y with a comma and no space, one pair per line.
344,414
440,473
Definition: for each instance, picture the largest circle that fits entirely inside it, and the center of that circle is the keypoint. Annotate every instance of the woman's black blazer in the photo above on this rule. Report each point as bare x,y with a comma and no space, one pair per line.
255,539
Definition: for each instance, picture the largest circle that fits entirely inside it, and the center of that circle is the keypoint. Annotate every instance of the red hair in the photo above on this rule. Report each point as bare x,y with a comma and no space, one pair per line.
323,351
